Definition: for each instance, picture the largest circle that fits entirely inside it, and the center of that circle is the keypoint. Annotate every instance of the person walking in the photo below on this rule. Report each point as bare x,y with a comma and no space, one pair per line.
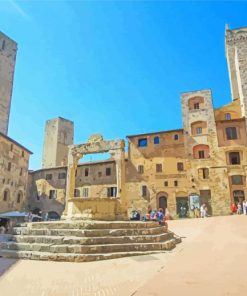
245,207
202,210
239,208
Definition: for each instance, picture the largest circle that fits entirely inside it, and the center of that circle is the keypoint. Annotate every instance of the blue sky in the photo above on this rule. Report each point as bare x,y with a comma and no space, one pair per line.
113,67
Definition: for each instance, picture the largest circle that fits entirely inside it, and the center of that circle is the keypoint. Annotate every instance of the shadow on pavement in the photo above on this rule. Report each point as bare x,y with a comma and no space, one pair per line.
6,264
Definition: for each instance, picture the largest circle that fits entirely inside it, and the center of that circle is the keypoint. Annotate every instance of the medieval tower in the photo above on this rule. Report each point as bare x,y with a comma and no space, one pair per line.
236,54
59,133
8,49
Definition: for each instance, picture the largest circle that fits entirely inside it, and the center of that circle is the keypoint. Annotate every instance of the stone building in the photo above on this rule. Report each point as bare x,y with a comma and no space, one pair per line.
59,134
204,162
47,187
14,160
8,50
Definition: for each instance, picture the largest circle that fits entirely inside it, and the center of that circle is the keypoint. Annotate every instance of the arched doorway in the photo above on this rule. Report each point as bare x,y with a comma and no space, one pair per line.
162,200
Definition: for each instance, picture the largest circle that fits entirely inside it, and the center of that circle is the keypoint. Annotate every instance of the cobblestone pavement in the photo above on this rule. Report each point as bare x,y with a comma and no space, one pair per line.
183,271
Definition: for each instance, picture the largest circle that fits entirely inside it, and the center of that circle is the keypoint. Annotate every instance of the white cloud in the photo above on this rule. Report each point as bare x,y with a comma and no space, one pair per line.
18,9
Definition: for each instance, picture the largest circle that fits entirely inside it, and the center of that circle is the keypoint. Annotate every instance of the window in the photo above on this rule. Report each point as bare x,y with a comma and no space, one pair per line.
156,140
203,173
228,116
37,196
111,191
158,167
231,133
52,194
76,193
144,190
19,196
3,45
142,142
21,171
140,169
85,192
22,153
61,175
48,176
108,171
175,183
9,166
86,172
237,180
11,147
180,166
201,154
234,158
166,183
198,130
176,137
5,195
196,105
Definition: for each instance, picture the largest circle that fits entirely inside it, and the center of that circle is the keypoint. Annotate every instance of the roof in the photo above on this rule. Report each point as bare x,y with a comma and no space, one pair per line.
16,143
155,133
78,165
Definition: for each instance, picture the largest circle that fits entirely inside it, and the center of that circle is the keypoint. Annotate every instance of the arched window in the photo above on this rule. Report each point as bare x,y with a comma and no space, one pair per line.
196,103
198,128
156,140
201,151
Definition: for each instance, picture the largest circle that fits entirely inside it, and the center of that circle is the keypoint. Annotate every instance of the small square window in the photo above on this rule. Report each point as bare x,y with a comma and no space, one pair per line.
144,190
140,169
196,105
61,175
158,167
201,154
166,183
198,130
175,183
86,172
156,140
108,171
142,142
48,177
231,133
228,116
180,166
234,158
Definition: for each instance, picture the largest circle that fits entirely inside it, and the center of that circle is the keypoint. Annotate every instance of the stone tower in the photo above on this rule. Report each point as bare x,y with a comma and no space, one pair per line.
8,49
59,133
236,54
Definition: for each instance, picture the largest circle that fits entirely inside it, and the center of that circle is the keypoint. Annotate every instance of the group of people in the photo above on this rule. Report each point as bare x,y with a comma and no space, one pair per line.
239,208
159,215
201,212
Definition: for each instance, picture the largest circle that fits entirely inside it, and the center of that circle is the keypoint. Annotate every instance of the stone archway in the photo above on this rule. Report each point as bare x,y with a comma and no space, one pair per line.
77,208
162,200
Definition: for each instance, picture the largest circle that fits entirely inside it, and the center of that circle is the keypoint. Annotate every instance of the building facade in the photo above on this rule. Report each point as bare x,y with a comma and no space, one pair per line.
14,160
205,162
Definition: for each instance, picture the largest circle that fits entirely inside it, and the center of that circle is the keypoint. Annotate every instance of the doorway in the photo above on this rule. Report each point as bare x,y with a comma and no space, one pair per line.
182,207
238,196
205,198
163,202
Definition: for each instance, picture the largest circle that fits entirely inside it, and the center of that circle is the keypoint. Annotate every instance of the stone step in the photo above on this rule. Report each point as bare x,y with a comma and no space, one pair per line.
88,249
90,232
92,225
90,240
46,256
